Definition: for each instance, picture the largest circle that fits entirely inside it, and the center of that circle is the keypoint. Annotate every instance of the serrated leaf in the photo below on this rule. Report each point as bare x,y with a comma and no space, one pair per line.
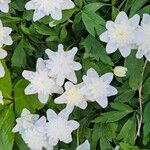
113,116
128,131
93,22
121,106
135,67
95,50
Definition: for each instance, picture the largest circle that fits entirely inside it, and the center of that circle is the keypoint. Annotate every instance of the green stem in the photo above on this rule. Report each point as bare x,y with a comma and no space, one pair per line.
140,118
78,137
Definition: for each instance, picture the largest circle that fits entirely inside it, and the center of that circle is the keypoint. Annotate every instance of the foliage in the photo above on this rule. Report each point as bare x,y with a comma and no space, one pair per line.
80,27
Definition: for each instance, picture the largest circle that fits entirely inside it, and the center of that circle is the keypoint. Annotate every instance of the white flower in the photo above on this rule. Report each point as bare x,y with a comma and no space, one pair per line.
59,128
48,7
41,82
98,88
4,35
1,98
120,71
26,121
121,34
3,54
73,96
62,64
144,31
4,5
35,138
84,146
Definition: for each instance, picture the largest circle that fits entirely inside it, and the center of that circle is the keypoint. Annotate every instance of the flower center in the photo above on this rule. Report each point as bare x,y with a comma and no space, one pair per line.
42,82
74,96
97,89
122,35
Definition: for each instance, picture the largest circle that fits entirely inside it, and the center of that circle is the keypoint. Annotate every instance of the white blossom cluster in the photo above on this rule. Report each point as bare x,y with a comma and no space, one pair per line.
126,34
39,133
48,7
57,74
51,74
49,78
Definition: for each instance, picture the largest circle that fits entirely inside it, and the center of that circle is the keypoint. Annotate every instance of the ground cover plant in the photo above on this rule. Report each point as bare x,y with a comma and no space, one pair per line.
74,74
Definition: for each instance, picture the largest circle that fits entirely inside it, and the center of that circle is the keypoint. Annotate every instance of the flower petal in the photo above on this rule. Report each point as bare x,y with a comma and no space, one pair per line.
3,54
84,146
74,124
4,7
77,66
51,114
67,4
38,15
125,51
104,37
43,97
30,5
92,73
139,54
56,14
30,89
103,102
111,48
2,71
107,78
134,21
28,75
122,16
146,19
109,25
112,91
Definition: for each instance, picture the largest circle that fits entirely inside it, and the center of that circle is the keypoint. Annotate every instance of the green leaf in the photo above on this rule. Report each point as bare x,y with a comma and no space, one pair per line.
6,84
93,22
125,95
115,12
113,116
63,34
25,101
136,6
20,143
43,29
128,131
95,135
19,55
93,7
146,120
135,67
126,146
121,106
7,120
95,50
144,10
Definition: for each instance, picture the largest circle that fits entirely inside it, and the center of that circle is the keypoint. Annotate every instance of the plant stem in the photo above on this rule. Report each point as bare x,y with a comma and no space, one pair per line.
140,118
78,142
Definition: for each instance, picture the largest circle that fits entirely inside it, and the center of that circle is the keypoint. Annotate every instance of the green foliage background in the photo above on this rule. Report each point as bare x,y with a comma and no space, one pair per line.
80,27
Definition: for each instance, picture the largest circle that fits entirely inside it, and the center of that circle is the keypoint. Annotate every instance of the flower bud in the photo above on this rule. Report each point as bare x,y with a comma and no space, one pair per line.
120,71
